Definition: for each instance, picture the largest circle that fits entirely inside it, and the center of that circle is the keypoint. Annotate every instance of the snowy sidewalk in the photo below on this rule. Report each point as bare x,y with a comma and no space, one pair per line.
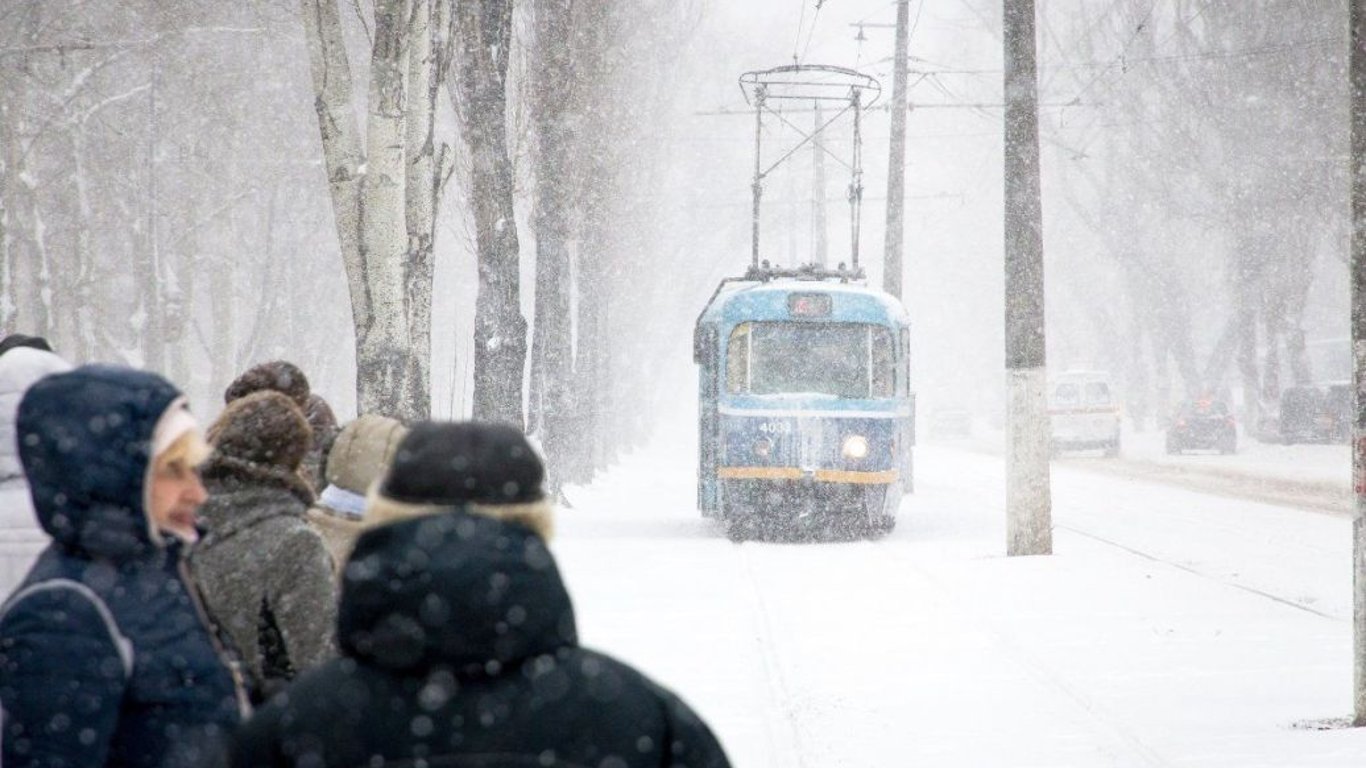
1171,627
1310,476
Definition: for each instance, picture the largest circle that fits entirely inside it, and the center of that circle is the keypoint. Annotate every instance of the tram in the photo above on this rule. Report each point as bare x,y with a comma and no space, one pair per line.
805,406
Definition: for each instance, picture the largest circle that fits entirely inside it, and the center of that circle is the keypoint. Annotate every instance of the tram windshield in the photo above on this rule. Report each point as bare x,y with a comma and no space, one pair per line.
848,360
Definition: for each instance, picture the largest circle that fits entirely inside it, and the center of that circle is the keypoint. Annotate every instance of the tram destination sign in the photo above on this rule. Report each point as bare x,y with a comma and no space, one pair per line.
809,305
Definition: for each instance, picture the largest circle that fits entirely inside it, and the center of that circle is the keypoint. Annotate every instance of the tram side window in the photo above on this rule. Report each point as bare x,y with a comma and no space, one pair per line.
882,369
737,360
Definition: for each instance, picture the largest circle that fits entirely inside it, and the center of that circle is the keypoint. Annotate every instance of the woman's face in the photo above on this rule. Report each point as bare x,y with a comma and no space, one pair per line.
176,494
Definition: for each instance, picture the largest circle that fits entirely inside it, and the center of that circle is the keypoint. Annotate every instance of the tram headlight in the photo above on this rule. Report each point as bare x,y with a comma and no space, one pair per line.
855,447
763,447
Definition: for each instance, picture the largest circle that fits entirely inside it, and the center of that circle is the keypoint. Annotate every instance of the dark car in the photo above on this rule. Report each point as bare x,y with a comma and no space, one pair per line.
1316,414
1203,424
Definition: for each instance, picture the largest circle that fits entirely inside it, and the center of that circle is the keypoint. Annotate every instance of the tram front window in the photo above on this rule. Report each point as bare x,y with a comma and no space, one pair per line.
849,360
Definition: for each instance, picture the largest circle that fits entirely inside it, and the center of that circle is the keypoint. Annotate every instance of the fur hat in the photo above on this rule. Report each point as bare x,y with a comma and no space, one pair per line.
263,428
277,375
490,469
21,340
321,420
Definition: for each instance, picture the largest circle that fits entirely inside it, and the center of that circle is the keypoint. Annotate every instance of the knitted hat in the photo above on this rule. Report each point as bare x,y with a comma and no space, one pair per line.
448,463
277,375
264,428
362,451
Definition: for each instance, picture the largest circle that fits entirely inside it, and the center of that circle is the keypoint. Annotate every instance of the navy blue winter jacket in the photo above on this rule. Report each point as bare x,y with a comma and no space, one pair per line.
106,656
459,649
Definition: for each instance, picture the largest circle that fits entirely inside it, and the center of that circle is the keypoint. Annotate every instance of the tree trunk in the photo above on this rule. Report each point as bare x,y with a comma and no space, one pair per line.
83,283
382,341
371,207
554,101
484,32
9,293
427,35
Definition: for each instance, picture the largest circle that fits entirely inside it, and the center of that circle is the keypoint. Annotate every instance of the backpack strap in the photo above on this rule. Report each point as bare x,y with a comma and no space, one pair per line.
122,644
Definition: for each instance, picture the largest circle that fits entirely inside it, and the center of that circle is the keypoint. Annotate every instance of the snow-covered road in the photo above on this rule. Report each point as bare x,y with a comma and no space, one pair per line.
1170,628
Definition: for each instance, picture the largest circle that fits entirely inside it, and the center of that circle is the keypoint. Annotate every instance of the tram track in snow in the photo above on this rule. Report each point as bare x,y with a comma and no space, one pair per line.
767,649
1171,563
1123,740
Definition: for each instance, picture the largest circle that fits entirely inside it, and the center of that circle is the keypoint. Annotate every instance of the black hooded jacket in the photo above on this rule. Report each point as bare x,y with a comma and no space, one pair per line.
106,655
459,649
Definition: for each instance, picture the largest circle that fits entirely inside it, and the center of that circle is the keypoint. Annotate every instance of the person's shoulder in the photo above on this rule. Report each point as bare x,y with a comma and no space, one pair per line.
599,669
291,534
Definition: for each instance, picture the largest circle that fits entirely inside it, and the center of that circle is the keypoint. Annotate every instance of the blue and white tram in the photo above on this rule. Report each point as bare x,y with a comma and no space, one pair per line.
805,405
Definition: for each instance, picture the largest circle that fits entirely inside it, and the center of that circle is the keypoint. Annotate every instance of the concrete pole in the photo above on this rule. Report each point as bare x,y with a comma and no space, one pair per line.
1357,68
896,162
1029,528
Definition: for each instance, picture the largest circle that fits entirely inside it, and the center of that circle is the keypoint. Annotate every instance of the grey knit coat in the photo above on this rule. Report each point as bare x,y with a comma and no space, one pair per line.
265,574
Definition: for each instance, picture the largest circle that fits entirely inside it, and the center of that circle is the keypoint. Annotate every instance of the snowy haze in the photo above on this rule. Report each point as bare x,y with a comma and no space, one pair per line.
1198,609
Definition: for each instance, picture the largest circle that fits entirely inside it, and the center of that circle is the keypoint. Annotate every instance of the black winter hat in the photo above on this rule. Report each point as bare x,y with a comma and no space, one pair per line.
448,463
21,340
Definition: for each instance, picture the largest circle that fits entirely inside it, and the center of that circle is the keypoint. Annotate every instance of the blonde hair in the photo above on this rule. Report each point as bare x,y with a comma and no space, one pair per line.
187,451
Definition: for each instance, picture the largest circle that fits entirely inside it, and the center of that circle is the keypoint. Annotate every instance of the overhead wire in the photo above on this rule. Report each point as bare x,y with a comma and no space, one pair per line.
1138,29
812,32
801,23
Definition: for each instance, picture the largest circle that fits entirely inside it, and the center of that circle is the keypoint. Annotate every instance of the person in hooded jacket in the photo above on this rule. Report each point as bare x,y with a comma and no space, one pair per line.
358,457
107,657
458,639
266,576
20,367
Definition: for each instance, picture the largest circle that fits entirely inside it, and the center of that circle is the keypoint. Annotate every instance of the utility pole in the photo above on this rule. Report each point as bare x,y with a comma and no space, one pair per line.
1029,528
896,163
1357,69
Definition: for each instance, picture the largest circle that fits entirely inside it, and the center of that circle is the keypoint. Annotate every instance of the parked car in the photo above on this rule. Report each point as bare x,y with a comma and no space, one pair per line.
1204,424
1316,414
1083,413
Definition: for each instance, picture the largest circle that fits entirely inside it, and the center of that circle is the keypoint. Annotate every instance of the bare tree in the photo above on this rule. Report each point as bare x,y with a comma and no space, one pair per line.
384,200
483,42
555,113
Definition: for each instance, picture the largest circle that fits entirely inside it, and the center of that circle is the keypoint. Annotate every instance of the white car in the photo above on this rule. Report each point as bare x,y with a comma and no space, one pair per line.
1083,413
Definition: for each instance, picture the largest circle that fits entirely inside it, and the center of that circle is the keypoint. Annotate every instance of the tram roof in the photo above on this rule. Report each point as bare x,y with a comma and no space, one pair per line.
851,302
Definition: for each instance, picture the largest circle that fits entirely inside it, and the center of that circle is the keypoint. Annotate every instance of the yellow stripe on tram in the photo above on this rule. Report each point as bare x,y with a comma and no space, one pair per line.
821,475
861,478
759,473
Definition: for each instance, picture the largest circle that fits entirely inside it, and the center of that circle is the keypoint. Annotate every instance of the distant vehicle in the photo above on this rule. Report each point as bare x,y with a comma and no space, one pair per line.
1203,424
951,423
1084,413
1316,414
805,404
